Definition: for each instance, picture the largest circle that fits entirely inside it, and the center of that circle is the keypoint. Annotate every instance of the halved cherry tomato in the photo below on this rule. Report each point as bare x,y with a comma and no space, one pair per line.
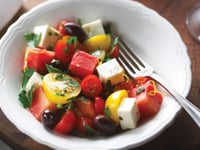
67,122
99,105
65,48
60,27
125,85
84,108
113,102
114,53
140,80
91,86
84,124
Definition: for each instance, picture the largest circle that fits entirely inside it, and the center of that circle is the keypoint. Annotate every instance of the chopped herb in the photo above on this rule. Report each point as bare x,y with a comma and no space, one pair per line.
115,42
32,39
50,33
120,118
79,21
26,98
107,58
140,90
66,49
59,77
59,106
50,47
27,74
50,68
71,40
107,112
73,83
89,130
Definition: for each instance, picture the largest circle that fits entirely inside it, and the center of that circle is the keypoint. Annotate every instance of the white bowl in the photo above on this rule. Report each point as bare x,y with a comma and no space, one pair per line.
152,37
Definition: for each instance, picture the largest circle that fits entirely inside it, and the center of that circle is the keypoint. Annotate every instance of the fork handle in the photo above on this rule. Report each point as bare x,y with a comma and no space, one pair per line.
190,108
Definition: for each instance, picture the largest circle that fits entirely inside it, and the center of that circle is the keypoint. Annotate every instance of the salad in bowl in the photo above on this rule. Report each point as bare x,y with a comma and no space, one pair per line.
74,84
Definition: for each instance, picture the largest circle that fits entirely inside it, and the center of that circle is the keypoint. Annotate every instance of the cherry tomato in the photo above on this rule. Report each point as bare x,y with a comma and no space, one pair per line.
99,105
114,53
140,80
91,86
60,27
84,125
67,123
85,108
65,48
125,85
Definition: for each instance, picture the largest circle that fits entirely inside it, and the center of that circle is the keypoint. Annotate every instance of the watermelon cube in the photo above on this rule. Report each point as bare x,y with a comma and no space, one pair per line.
83,64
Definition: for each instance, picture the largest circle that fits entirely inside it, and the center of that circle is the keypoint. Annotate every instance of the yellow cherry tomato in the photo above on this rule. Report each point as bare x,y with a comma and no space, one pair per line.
102,42
60,87
112,103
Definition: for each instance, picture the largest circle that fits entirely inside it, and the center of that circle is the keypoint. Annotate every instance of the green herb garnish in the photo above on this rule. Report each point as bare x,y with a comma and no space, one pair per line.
140,90
26,98
27,74
32,39
107,111
50,68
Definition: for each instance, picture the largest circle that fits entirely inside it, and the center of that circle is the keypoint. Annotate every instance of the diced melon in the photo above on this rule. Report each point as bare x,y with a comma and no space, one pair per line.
83,64
40,103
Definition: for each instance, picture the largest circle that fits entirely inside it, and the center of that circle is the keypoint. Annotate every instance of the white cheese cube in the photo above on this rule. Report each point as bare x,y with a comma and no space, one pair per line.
49,36
128,113
93,28
111,70
35,80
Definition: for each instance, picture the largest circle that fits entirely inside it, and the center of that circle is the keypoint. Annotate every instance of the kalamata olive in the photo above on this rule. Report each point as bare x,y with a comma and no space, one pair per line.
50,118
105,125
57,64
75,30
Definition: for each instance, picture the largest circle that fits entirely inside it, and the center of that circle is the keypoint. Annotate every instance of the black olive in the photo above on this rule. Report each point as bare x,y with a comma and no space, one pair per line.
105,125
51,118
57,64
74,29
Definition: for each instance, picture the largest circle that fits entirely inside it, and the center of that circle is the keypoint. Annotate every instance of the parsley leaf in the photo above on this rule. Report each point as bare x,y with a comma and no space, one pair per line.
107,112
50,68
32,39
27,74
26,98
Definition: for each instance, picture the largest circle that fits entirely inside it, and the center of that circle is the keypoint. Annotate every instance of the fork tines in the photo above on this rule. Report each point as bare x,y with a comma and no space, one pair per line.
131,63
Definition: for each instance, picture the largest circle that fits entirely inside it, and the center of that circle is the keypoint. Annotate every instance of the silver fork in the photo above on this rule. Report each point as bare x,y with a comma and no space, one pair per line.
135,66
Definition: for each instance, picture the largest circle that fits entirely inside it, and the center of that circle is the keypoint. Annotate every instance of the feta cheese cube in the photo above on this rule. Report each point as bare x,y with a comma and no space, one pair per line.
49,36
93,28
128,113
111,70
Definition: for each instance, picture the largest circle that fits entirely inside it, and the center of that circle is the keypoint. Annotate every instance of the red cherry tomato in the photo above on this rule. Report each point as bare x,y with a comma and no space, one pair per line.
65,48
91,86
114,52
60,27
99,105
140,80
67,123
84,124
85,108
